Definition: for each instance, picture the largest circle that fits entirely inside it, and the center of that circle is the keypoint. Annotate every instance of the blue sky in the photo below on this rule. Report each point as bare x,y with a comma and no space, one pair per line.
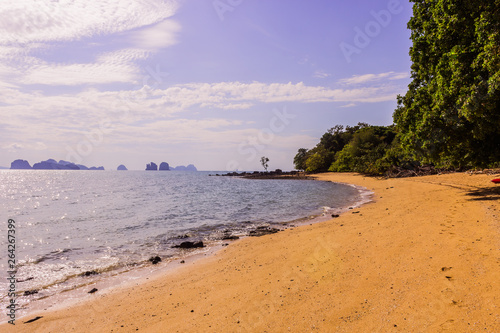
215,83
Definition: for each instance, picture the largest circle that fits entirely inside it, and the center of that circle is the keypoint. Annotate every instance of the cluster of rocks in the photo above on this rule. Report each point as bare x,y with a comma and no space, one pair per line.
165,167
277,174
189,245
50,164
263,230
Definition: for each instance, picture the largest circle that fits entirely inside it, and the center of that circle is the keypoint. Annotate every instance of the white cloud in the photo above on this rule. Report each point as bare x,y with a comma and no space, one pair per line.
158,36
40,146
27,21
28,26
223,94
35,116
321,75
13,147
77,74
350,105
369,78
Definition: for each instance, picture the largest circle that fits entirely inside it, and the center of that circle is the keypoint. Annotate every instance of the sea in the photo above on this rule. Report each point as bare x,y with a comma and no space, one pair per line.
76,229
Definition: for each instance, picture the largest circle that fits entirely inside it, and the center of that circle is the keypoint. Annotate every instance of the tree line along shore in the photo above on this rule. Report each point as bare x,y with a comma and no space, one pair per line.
449,119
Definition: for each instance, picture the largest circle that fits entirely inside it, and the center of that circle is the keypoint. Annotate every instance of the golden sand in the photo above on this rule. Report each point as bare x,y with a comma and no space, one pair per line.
424,257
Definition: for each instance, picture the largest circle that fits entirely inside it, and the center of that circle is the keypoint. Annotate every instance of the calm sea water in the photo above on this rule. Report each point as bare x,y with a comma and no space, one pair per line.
70,222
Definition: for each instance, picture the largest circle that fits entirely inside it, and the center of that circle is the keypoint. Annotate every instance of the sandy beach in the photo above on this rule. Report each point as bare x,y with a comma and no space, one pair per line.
424,256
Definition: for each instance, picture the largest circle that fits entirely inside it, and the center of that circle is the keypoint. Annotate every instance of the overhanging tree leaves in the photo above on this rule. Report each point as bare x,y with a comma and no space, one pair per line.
450,115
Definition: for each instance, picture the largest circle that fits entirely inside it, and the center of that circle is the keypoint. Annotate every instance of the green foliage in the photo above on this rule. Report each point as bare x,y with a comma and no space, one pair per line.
450,115
366,152
362,148
322,156
316,162
300,159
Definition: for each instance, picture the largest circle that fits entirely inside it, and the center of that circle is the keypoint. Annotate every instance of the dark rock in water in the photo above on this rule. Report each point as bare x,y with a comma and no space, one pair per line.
155,260
122,167
20,165
183,262
32,320
261,231
164,166
89,273
189,245
30,292
335,215
151,167
93,291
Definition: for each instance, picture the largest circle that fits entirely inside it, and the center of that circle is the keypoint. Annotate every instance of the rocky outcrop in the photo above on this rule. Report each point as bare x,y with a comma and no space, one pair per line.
164,166
189,245
151,167
263,230
122,167
20,165
98,168
155,260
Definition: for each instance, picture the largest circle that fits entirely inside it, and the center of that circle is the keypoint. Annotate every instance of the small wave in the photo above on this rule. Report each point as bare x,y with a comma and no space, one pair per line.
54,255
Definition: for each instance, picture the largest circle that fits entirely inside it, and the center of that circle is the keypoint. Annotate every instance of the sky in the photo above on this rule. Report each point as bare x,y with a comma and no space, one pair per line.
214,83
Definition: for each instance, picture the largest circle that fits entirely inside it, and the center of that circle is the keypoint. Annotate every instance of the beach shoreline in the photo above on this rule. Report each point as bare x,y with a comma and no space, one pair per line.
33,298
404,262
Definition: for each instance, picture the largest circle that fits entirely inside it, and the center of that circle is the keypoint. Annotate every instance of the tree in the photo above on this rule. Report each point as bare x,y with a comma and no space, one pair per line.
264,161
300,159
366,151
450,115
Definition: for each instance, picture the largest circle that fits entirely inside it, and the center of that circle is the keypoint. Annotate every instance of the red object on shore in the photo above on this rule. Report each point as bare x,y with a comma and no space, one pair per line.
496,181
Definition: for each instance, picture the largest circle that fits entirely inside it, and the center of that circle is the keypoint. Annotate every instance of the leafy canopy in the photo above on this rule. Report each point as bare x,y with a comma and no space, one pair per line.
450,115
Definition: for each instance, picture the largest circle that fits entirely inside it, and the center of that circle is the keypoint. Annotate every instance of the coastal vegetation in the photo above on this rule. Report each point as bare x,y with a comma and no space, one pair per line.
450,116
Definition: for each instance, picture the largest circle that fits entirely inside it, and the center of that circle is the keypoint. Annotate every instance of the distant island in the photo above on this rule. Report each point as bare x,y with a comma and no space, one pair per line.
190,167
164,166
50,164
151,167
122,167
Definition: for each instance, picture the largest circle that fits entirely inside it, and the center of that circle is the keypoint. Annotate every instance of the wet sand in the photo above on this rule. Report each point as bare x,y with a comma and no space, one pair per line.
423,257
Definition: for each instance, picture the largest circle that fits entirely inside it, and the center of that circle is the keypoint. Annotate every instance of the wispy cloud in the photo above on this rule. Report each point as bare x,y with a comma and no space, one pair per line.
27,27
27,21
321,75
350,105
369,78
161,35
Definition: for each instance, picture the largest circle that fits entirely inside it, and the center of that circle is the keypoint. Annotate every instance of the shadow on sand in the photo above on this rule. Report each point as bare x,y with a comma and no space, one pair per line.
485,193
